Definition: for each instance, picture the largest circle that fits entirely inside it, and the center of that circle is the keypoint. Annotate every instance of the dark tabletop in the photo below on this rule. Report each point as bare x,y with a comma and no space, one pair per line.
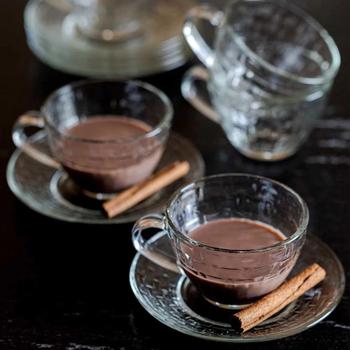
65,286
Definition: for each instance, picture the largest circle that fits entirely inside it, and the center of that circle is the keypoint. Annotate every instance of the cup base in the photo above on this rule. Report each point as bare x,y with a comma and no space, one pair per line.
266,156
65,190
226,306
97,195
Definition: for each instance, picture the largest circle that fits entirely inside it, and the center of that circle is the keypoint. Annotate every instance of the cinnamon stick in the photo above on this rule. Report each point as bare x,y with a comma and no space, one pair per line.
279,298
141,191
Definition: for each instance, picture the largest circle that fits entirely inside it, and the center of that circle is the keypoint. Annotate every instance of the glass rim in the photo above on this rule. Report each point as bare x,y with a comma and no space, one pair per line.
163,124
325,77
299,232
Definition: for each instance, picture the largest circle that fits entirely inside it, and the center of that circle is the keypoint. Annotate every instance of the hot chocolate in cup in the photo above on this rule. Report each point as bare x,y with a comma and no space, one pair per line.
235,236
106,135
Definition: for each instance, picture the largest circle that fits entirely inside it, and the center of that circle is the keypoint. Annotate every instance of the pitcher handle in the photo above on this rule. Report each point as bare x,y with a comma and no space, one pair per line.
158,256
192,35
20,138
190,92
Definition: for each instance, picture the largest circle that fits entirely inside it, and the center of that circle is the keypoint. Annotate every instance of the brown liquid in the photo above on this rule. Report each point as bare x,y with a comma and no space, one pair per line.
237,234
122,159
231,278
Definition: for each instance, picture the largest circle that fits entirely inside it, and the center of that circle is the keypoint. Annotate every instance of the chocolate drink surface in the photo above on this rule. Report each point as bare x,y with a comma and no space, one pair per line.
108,153
234,278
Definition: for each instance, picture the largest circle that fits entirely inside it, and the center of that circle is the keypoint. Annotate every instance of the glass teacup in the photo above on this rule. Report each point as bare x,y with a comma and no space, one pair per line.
268,74
229,278
83,123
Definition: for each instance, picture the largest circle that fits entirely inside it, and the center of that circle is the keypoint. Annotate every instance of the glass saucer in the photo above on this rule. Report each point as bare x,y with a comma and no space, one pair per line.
174,301
53,36
51,192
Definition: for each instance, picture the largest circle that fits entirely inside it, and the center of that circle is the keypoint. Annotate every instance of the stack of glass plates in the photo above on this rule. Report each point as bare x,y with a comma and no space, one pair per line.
53,36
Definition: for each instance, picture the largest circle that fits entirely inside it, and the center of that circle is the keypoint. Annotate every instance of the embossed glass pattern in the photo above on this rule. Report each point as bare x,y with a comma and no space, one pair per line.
270,70
244,197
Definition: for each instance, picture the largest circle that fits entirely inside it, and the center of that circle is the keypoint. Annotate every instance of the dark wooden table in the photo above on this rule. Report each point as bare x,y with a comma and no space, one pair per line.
65,286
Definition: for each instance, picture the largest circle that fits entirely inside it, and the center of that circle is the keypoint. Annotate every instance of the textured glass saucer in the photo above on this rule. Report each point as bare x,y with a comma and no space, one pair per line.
172,300
51,192
53,36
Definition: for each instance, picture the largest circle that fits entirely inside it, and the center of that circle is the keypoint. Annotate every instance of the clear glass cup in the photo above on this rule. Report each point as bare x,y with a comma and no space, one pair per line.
100,167
236,276
110,20
268,74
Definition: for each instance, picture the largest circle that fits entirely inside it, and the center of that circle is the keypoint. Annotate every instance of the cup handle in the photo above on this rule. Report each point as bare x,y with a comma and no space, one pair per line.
20,138
141,244
192,35
190,92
